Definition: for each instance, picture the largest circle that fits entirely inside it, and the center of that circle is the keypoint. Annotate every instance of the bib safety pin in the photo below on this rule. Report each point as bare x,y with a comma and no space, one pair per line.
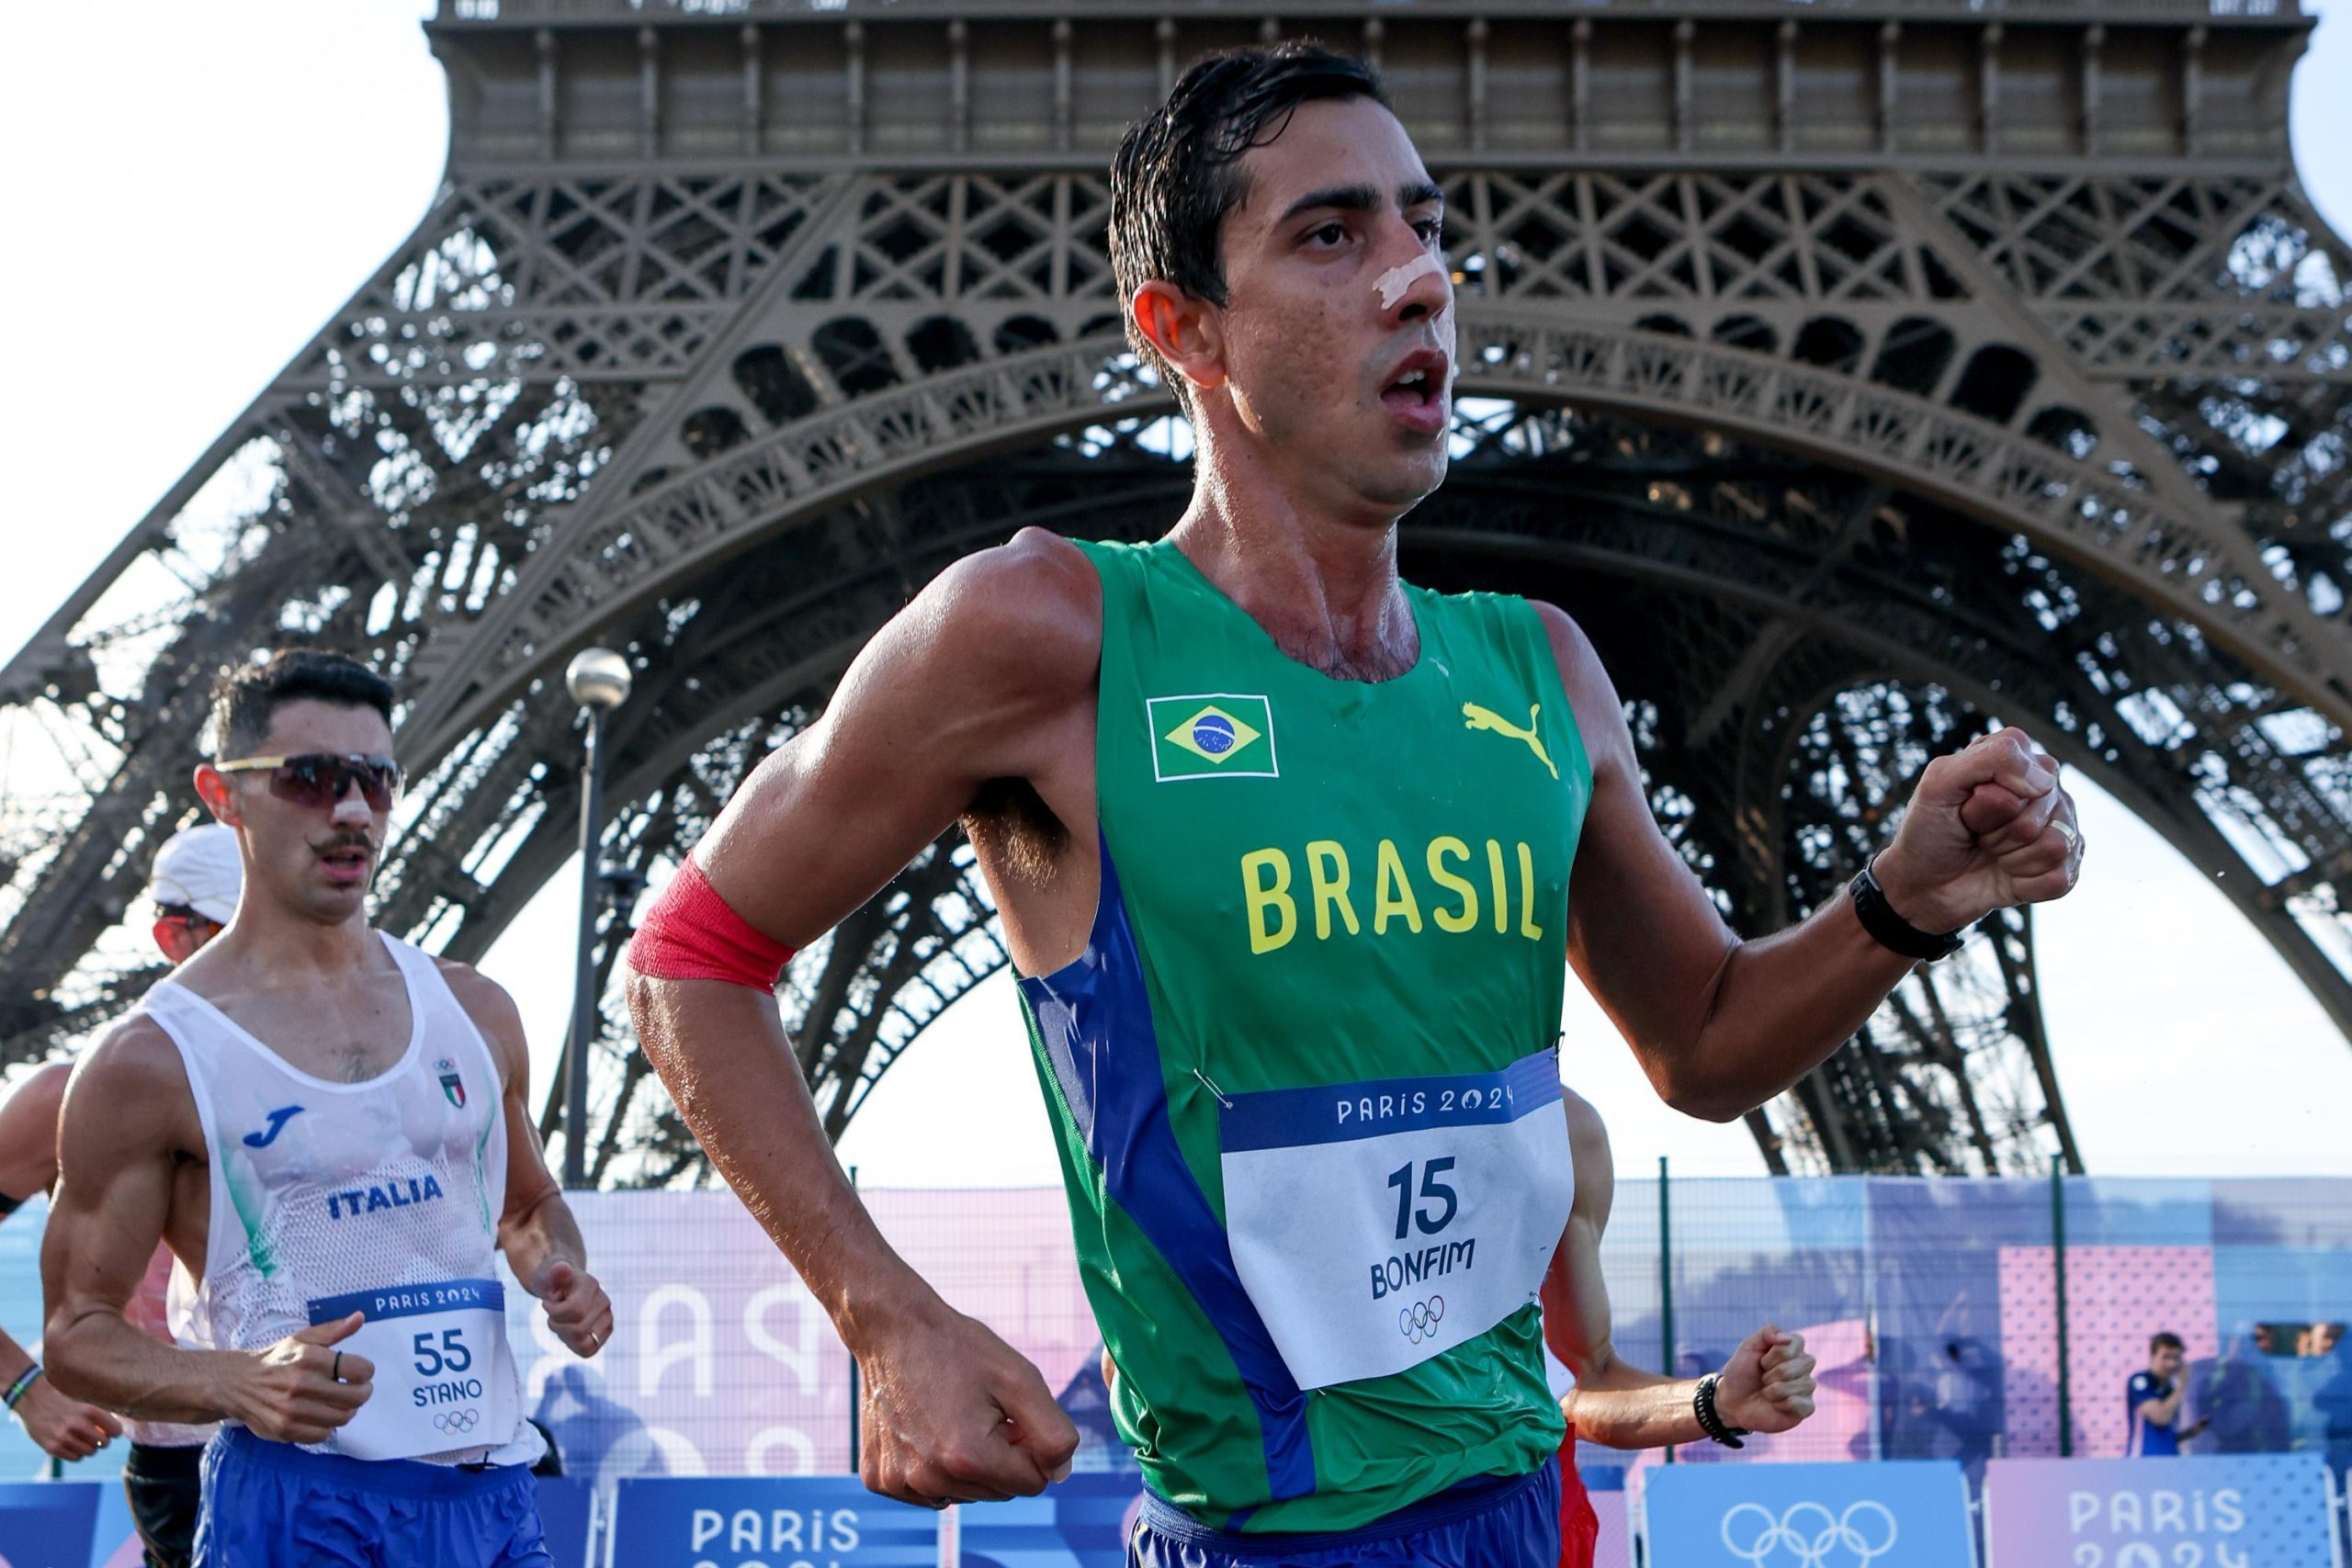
1211,1084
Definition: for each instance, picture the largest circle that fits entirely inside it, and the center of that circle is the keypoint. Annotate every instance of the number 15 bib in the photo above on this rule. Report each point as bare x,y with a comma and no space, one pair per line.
435,1351
1377,1225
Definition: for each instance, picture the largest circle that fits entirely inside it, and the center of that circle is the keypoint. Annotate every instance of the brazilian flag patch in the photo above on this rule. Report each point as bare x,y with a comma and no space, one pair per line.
1213,735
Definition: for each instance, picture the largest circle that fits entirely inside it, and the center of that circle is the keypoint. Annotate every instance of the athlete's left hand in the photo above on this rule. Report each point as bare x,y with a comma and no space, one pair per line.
576,1305
1767,1386
1988,827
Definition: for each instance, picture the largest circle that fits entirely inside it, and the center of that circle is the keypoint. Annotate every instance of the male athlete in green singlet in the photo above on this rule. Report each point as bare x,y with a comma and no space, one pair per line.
1289,853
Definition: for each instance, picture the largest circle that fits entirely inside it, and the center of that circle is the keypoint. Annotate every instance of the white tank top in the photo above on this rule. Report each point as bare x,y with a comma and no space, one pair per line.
381,1196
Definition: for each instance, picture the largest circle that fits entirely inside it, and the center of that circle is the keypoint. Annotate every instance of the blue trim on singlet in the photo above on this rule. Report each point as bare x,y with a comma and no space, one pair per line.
1094,1018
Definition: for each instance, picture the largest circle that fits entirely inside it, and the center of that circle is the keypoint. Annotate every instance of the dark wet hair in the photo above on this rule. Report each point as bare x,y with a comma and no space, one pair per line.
1178,170
246,698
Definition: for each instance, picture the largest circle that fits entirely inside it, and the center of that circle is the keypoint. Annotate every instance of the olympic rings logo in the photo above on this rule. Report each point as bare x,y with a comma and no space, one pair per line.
456,1422
1809,1532
1419,1321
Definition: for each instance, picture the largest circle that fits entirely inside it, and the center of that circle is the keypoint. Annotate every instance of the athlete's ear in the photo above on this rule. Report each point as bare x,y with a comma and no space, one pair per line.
1188,333
212,788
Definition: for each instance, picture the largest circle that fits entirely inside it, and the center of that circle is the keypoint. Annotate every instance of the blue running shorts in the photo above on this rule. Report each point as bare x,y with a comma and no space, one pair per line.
274,1505
1490,1522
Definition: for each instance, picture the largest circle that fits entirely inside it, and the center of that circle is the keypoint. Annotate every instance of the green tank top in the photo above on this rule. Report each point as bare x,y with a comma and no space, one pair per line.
1304,1077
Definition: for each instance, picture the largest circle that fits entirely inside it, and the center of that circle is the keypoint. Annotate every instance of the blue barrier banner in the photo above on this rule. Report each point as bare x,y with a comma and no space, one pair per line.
1898,1514
114,1540
1082,1523
1613,1548
563,1514
828,1521
2222,1511
47,1524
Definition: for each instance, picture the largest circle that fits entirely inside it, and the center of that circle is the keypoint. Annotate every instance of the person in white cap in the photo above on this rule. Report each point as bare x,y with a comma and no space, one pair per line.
194,886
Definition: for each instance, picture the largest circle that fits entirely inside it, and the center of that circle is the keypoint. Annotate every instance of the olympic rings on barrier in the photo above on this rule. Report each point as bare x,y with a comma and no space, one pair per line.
456,1422
1808,1533
1419,1321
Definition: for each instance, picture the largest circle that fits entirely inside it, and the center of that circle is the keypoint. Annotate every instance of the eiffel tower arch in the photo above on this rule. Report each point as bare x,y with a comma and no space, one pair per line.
1860,374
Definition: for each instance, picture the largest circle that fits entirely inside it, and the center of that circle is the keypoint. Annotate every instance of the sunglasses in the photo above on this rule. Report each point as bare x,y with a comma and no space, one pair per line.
322,778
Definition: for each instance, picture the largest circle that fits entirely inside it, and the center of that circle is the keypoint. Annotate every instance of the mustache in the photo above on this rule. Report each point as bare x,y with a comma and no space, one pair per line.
349,839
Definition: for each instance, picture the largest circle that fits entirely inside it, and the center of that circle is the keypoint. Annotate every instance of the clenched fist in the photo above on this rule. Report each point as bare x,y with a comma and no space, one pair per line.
1988,827
575,1304
1767,1386
296,1392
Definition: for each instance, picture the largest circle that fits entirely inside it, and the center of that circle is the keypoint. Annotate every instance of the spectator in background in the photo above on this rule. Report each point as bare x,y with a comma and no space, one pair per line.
2240,1400
194,884
2152,1401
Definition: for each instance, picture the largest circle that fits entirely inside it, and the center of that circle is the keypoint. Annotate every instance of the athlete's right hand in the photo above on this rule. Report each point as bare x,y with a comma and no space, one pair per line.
291,1393
64,1426
954,1415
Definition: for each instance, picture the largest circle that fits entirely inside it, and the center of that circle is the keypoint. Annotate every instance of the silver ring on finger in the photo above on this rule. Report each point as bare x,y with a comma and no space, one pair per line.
2068,831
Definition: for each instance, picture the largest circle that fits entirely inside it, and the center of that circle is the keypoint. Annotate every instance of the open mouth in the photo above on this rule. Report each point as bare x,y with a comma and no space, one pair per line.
1415,396
345,863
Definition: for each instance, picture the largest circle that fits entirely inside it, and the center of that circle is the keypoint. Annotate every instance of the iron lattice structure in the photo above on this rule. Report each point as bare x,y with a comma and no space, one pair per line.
1860,375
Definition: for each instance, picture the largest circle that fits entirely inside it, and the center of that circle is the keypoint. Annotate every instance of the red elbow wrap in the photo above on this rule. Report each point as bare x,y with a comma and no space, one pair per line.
692,933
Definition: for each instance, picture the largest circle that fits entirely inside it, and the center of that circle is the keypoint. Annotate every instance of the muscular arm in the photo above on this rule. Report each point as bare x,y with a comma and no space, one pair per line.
116,1148
63,1425
29,1164
1721,1025
537,1230
976,681
1767,1386
129,1117
1614,1402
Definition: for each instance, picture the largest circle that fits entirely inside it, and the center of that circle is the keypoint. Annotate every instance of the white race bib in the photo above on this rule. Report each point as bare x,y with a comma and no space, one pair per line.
437,1350
1377,1225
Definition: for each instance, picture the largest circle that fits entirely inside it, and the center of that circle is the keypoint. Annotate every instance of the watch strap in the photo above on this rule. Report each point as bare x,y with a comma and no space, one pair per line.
1711,1420
1890,930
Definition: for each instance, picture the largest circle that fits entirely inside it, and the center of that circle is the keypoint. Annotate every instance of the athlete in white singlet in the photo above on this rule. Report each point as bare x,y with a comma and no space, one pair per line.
327,1127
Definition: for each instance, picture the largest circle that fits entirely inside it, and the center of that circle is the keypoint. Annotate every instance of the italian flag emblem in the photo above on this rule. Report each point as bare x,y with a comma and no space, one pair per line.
452,1086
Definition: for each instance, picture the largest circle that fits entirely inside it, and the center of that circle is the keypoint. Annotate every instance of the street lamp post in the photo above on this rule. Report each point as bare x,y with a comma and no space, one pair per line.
598,679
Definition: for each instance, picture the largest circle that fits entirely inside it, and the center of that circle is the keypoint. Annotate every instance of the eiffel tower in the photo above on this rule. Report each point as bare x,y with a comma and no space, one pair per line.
1860,375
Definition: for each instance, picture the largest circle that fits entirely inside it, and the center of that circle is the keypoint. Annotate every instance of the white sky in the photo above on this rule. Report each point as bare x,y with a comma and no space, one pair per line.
197,184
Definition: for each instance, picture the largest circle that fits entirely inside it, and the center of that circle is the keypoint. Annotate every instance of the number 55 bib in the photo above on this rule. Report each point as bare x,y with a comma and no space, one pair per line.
1377,1225
435,1351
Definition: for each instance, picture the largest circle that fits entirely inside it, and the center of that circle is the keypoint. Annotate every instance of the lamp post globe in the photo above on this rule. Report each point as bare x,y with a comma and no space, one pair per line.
598,677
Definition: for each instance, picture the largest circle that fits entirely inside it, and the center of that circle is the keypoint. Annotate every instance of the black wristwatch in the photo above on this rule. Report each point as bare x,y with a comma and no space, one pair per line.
1711,1421
1890,930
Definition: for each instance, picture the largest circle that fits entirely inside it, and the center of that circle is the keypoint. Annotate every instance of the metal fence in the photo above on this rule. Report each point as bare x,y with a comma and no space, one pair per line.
1935,1307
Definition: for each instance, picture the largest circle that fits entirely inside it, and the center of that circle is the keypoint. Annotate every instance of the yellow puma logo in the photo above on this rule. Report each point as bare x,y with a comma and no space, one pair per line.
1475,717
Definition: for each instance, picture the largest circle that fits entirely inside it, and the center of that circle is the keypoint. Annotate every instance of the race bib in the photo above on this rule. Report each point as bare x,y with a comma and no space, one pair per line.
437,1352
1377,1225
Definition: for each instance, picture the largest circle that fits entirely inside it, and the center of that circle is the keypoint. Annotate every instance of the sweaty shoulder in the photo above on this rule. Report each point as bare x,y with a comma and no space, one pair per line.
133,1079
493,1010
1028,611
1601,717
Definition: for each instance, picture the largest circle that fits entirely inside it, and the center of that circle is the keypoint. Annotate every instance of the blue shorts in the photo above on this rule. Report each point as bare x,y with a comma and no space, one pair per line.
1491,1522
274,1505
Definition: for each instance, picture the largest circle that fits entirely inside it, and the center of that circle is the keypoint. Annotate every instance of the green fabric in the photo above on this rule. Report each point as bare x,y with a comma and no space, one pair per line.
1329,880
